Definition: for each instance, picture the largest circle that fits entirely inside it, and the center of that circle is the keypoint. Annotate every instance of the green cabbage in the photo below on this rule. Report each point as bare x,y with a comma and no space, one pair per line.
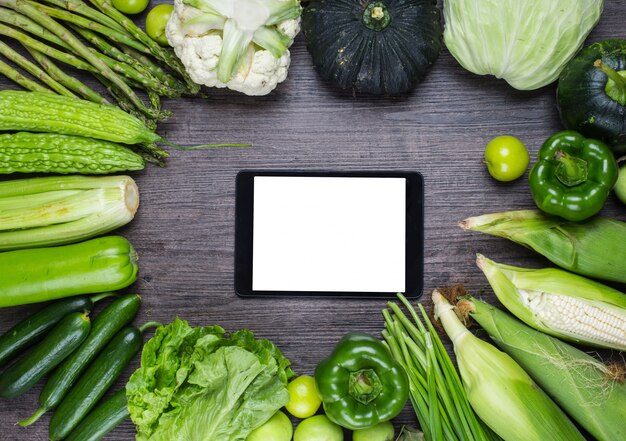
201,384
525,42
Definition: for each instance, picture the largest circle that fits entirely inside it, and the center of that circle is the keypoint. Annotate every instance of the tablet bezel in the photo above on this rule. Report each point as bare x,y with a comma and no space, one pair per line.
244,224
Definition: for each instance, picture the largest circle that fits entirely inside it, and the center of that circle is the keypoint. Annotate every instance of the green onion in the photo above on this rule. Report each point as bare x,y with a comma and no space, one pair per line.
558,303
48,211
437,394
590,392
500,391
594,248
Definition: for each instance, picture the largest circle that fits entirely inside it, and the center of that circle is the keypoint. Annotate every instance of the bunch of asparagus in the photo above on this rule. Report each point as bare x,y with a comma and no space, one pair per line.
95,38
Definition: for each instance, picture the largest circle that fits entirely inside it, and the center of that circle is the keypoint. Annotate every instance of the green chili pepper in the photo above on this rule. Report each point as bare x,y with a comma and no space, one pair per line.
360,384
573,176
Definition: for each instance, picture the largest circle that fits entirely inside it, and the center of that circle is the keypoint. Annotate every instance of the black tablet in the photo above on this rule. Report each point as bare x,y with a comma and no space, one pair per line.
348,234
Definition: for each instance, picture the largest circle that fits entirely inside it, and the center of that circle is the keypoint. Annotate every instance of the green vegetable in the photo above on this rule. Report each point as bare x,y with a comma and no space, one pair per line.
55,210
318,428
205,384
592,93
527,43
96,380
559,303
130,6
52,153
34,327
436,392
380,47
573,176
360,383
277,428
60,342
380,432
506,158
106,416
108,323
41,274
155,22
620,185
586,389
304,400
592,248
410,434
500,391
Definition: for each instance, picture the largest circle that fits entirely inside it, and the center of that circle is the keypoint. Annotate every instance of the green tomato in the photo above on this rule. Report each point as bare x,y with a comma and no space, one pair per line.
380,432
507,158
277,428
620,186
156,20
303,397
130,6
318,428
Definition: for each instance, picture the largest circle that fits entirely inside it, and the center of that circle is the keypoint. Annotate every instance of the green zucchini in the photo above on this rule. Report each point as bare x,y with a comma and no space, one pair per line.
106,416
104,327
96,380
52,153
45,112
64,338
99,265
33,328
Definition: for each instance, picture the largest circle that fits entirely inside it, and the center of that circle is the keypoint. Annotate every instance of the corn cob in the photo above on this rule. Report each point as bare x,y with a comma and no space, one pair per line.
561,304
590,392
499,390
593,248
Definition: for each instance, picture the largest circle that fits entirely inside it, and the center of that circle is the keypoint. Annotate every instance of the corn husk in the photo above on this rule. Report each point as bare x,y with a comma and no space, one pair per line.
590,392
500,391
594,248
561,304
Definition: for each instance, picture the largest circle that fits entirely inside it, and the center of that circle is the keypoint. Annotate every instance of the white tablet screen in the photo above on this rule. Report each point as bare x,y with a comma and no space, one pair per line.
342,234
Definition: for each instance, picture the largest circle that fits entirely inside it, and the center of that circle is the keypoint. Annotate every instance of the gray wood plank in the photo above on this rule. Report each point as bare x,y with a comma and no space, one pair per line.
184,231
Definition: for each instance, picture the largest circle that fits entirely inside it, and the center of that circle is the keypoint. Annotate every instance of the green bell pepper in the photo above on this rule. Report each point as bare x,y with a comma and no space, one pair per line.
573,176
360,384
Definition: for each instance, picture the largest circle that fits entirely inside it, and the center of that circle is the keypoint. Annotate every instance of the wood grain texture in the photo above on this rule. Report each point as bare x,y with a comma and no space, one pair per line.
184,231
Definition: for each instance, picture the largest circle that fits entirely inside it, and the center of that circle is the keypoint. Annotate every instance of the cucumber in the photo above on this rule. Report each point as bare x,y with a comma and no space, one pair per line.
104,327
64,338
96,380
33,328
106,416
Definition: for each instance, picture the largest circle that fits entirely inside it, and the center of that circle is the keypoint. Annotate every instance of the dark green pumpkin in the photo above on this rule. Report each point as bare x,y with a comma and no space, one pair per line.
588,101
375,47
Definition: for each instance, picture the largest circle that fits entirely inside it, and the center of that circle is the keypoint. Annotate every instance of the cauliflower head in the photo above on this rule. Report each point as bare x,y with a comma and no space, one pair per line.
238,44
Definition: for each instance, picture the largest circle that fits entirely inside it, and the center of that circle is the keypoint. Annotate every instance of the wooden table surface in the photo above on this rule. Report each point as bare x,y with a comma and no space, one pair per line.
184,230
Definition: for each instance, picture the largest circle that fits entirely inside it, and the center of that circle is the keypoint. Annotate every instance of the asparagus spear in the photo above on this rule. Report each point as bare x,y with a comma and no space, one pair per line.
85,10
165,55
155,69
34,70
82,50
24,23
65,79
20,79
83,22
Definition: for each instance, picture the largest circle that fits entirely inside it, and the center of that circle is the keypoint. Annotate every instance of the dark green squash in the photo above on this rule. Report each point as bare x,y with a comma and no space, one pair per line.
591,94
375,47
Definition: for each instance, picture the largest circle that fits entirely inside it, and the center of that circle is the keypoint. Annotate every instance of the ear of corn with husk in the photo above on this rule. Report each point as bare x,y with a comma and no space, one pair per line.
594,248
589,391
500,391
560,303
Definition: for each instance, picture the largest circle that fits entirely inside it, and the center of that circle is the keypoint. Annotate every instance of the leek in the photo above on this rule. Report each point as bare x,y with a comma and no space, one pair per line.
561,304
436,391
47,211
500,391
593,248
589,391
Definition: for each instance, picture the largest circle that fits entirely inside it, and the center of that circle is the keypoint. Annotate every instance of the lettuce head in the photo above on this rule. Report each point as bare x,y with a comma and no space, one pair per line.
525,42
202,384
